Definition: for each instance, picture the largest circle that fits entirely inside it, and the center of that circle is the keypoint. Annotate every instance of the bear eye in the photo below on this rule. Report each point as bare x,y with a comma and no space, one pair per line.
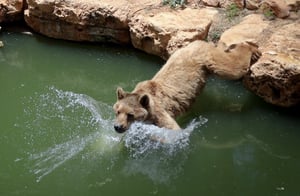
117,113
130,116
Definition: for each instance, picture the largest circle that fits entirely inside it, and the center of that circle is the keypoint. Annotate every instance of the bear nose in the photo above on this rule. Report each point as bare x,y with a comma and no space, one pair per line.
119,128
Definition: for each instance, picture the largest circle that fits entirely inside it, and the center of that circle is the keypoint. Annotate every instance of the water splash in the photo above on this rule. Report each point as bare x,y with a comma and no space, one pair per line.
142,138
158,153
71,124
47,161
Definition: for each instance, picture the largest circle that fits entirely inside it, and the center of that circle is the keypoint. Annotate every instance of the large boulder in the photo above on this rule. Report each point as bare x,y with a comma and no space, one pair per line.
84,20
224,3
162,33
293,4
252,4
277,7
249,29
11,10
276,76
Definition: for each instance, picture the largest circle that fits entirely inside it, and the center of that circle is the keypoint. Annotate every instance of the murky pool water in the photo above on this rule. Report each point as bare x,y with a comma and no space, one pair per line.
57,137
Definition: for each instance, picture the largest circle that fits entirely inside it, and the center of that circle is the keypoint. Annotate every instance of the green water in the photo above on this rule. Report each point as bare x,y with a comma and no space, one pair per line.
57,137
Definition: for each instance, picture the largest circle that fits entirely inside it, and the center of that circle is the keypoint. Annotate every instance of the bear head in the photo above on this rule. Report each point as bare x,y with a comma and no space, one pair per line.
129,107
245,48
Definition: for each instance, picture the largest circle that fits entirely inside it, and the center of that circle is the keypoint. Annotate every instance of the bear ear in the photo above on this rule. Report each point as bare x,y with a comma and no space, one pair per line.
121,93
144,101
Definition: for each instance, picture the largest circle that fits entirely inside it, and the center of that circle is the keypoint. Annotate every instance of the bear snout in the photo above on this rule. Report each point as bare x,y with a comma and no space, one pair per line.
119,128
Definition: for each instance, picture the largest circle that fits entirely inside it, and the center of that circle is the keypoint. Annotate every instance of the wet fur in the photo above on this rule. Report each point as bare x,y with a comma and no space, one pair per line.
174,88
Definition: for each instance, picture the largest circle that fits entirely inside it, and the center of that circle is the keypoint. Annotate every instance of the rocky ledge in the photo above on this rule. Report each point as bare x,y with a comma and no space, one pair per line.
11,10
158,29
276,75
162,33
81,20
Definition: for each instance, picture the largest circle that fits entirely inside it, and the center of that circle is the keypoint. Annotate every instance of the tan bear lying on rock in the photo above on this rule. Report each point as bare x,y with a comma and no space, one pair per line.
174,88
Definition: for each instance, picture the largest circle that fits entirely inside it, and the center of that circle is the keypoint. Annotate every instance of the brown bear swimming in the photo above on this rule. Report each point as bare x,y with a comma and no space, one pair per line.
174,88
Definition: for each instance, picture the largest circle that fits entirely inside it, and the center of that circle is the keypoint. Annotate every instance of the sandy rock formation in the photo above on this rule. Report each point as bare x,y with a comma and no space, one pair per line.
224,3
249,4
162,33
293,4
276,76
11,10
84,20
277,7
212,3
249,29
